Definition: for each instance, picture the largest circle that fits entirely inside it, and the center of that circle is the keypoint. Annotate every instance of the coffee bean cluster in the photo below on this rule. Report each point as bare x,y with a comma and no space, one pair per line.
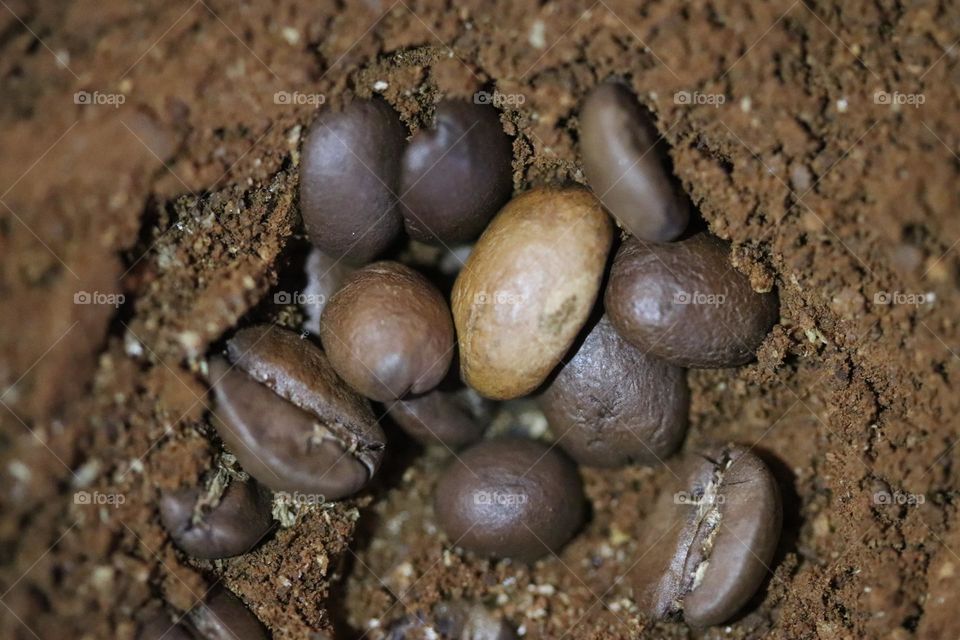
593,299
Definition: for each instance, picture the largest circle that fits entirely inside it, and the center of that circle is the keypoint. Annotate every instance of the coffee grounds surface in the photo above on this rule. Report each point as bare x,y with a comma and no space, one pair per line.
821,166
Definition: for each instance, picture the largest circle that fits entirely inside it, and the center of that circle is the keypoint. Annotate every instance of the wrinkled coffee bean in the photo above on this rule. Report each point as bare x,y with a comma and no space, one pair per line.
613,405
388,332
161,627
456,174
234,524
291,422
325,276
222,616
528,288
685,303
349,176
709,544
449,417
510,498
624,168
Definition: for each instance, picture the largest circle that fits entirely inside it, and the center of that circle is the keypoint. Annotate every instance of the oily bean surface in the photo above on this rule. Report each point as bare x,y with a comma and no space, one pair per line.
712,539
456,174
510,498
612,404
291,422
388,332
528,288
349,176
222,616
235,524
624,167
452,418
685,303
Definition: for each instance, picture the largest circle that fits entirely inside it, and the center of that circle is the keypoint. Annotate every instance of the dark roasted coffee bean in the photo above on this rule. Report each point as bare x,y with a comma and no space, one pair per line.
325,276
456,174
685,303
624,168
510,498
388,332
222,616
162,627
349,176
449,417
291,422
613,405
710,542
230,524
528,288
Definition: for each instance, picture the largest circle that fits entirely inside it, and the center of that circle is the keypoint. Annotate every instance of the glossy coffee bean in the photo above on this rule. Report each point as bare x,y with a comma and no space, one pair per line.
612,404
528,288
685,303
162,627
456,174
388,332
222,616
239,520
510,498
447,417
625,169
325,276
349,176
291,422
711,540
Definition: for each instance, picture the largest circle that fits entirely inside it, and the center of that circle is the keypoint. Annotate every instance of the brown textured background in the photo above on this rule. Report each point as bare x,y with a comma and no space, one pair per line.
183,199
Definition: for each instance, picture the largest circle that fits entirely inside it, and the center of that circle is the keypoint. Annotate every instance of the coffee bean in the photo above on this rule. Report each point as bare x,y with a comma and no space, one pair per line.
161,627
349,176
388,332
613,405
456,174
325,276
709,544
685,303
449,417
291,422
510,498
233,523
624,168
222,616
528,287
